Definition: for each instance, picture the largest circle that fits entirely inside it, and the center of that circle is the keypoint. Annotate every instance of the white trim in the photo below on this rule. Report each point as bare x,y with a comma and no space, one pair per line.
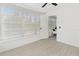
65,42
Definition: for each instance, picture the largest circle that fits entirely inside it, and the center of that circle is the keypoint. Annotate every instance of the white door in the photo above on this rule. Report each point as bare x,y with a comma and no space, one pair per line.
43,26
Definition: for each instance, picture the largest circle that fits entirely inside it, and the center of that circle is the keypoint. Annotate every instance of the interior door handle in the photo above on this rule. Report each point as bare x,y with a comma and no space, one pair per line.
40,28
59,27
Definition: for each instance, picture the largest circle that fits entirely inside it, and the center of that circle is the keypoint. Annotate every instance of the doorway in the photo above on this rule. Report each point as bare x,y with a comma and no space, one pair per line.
52,26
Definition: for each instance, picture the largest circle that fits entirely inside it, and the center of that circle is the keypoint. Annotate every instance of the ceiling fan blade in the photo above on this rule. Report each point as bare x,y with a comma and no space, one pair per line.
44,5
55,4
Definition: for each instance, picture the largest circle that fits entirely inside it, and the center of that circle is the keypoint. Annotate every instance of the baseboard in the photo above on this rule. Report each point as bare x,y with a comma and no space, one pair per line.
68,43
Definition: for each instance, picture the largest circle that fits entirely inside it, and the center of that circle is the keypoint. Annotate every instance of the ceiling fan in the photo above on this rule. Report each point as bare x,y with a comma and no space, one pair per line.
55,4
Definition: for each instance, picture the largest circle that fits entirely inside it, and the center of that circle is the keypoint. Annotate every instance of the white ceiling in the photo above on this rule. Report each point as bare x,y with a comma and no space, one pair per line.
37,7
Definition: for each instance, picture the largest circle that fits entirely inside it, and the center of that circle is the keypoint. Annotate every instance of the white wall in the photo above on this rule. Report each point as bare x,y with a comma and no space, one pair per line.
68,19
0,28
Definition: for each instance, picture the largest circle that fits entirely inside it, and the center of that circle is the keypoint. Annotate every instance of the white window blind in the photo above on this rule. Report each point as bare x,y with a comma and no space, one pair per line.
19,22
